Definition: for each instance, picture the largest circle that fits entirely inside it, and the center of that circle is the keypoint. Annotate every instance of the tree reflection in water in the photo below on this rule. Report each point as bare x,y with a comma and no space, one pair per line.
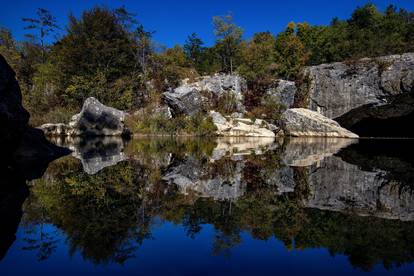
296,191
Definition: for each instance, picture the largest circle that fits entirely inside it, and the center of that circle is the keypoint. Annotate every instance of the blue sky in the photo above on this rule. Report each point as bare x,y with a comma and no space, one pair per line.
174,20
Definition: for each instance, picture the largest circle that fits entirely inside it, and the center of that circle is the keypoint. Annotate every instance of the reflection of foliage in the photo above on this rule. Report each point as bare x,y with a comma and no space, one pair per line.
107,216
366,240
99,213
41,241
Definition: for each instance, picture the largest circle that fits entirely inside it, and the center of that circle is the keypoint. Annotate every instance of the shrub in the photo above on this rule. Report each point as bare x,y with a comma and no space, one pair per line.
148,122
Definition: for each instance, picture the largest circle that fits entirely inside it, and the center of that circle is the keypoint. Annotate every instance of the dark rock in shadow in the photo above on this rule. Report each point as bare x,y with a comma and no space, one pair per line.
25,155
13,192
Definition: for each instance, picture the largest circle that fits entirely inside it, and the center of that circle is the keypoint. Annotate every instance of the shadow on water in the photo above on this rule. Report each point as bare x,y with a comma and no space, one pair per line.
352,198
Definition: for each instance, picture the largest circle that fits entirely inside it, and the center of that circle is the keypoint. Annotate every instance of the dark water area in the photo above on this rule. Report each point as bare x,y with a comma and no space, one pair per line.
214,207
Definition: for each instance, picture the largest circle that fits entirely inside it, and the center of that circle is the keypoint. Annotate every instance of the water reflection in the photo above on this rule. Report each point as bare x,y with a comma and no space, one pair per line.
318,193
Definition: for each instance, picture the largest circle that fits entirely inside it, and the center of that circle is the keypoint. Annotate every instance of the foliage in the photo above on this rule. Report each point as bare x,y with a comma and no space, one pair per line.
229,37
170,67
259,58
291,52
157,123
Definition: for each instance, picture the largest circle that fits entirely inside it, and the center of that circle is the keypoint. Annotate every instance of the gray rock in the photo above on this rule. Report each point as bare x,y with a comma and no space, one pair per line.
96,119
241,126
369,88
56,130
283,92
23,148
304,122
189,98
184,100
13,116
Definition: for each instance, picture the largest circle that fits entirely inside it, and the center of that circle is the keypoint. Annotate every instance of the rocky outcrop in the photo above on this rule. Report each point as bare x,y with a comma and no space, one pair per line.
95,119
184,100
283,92
189,98
13,116
23,148
304,122
25,154
244,127
351,92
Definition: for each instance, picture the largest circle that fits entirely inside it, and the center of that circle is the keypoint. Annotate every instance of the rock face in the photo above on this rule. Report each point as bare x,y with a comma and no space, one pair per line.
242,126
13,116
184,100
25,154
304,122
95,119
190,97
379,88
283,92
23,148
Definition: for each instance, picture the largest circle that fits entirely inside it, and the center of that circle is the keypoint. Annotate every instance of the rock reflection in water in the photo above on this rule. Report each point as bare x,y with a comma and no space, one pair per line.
95,153
306,193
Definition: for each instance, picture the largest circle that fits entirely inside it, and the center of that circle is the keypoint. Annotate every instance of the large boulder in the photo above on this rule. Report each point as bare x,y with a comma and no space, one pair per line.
243,127
22,148
189,98
95,119
304,122
349,92
184,100
13,116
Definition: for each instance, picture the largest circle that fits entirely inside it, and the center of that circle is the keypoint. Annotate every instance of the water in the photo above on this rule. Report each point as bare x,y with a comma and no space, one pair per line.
218,207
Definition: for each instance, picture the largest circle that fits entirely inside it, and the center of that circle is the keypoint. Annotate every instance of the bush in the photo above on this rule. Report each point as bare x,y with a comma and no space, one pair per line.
148,122
54,116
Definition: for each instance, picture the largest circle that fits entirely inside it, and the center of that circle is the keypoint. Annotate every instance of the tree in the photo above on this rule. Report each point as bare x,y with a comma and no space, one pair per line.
258,58
193,49
292,55
143,40
45,24
170,67
228,39
96,42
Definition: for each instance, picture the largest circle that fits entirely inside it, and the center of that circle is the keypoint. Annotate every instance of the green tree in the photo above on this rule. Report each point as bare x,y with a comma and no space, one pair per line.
8,49
194,50
96,42
228,39
143,40
258,58
291,52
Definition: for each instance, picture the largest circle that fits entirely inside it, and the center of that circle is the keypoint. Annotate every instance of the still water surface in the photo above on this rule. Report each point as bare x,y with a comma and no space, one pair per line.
220,207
